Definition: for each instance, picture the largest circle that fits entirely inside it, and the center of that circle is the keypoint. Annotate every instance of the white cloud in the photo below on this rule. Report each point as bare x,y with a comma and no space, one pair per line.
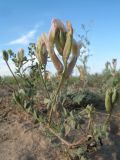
26,38
4,71
0,54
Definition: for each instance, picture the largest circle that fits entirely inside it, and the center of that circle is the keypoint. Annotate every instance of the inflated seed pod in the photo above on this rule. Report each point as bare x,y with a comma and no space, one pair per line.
5,55
57,43
59,48
76,47
62,38
75,54
57,63
38,46
114,96
20,54
68,43
52,34
44,55
60,41
108,100
71,65
41,52
58,24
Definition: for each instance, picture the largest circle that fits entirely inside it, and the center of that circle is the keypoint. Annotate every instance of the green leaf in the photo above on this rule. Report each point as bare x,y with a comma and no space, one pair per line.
65,111
54,107
22,92
47,101
67,129
78,98
71,114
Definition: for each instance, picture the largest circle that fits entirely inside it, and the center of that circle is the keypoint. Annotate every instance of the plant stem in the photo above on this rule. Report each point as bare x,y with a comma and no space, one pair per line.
69,145
12,73
115,116
108,119
56,94
44,83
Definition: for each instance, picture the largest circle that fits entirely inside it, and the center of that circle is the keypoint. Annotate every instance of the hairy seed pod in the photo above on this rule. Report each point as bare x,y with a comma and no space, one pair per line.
60,41
51,34
44,55
38,48
41,52
108,100
68,43
57,63
75,54
20,54
114,96
5,55
75,48
62,38
58,24
58,45
71,65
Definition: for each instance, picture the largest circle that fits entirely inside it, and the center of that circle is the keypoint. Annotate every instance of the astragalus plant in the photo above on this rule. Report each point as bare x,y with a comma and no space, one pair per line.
63,50
60,39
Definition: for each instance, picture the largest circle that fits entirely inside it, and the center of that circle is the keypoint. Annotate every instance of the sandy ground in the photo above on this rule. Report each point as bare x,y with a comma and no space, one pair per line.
21,139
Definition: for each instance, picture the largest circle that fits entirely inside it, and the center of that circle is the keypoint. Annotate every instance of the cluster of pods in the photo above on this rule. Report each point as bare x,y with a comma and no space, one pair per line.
61,38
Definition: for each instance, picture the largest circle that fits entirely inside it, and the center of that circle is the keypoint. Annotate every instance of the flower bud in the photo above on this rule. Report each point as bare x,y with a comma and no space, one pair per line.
41,52
20,54
5,55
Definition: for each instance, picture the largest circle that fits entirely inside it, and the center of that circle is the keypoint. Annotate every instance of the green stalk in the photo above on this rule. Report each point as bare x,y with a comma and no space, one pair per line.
57,92
44,83
12,73
108,119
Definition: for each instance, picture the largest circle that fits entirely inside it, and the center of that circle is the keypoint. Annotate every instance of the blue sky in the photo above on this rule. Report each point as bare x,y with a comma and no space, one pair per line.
22,21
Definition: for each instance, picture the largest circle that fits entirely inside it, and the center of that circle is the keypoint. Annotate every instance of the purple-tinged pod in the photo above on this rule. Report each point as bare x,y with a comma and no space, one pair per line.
60,41
75,54
52,34
76,46
71,66
68,43
56,62
58,24
58,45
